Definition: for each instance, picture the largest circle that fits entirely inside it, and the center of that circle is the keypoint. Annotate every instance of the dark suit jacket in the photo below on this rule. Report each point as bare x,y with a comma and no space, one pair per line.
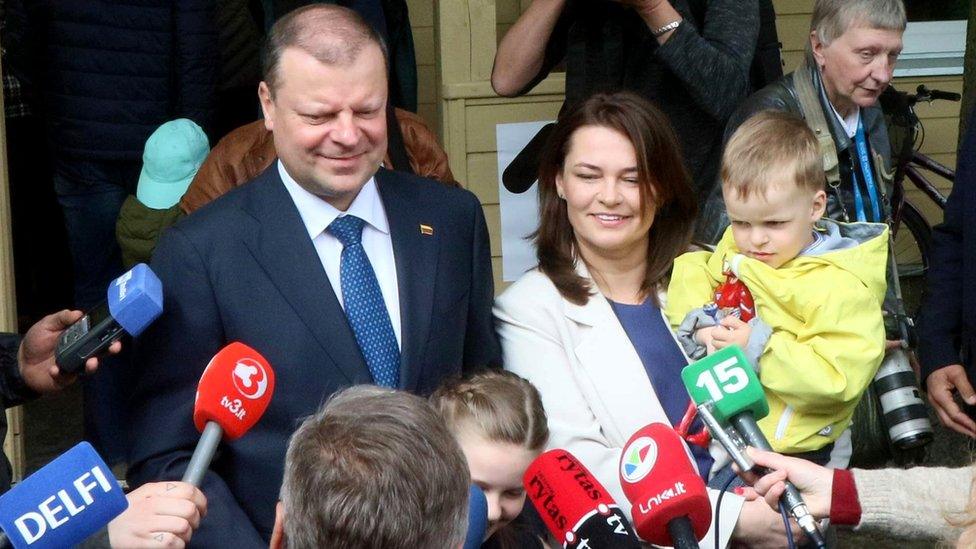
947,323
244,269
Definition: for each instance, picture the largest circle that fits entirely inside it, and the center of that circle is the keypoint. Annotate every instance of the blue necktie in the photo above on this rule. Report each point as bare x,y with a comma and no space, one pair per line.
365,308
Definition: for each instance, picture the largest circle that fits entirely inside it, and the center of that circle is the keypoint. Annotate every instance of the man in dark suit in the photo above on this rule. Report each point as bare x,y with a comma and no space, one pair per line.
337,271
947,324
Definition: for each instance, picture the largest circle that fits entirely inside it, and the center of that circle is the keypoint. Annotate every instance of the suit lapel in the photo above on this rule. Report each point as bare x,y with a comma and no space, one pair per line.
415,250
282,247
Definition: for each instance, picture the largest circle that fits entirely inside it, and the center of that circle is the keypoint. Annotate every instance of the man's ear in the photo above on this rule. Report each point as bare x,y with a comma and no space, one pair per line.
267,105
278,532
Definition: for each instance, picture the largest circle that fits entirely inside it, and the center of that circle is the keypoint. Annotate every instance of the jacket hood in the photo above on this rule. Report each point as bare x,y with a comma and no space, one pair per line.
867,260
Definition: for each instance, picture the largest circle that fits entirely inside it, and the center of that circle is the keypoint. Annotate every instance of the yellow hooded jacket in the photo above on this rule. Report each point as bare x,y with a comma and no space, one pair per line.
828,333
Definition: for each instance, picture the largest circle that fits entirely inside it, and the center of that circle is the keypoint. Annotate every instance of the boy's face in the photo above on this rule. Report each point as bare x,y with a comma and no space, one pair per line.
776,227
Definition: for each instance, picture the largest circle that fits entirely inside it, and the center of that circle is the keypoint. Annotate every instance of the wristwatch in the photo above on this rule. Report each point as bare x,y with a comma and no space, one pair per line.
661,31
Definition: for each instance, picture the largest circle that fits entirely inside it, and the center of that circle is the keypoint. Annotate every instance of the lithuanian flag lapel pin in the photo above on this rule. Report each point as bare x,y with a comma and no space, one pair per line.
426,230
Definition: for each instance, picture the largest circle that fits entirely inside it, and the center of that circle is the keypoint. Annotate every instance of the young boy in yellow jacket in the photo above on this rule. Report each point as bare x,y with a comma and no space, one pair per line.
818,336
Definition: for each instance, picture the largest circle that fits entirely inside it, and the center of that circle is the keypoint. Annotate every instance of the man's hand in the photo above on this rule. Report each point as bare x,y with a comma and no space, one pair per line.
36,354
731,331
814,482
941,384
160,514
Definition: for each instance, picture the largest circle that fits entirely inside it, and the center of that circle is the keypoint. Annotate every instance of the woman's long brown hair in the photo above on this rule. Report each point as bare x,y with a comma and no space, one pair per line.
662,177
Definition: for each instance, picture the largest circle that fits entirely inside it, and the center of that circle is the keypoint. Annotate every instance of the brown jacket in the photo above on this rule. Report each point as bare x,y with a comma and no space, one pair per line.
245,152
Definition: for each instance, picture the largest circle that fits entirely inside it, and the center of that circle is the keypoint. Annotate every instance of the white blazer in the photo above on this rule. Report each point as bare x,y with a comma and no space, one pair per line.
593,384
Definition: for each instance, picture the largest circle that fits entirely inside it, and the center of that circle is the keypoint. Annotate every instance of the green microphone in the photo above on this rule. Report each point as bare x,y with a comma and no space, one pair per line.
727,392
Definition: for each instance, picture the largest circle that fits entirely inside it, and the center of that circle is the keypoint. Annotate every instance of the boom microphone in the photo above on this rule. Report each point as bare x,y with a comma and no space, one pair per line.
670,502
575,507
134,300
477,518
233,393
728,393
63,503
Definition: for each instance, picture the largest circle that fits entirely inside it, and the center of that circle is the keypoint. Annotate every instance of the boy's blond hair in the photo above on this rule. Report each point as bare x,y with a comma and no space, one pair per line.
768,145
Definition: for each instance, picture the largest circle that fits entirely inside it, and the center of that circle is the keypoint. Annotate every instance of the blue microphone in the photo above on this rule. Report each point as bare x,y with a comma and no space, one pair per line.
477,518
134,301
63,503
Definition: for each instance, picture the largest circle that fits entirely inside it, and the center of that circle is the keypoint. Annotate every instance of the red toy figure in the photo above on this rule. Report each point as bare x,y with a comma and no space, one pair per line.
734,298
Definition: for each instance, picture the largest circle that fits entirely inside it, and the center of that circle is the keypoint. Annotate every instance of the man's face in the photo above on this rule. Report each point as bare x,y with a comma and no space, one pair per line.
857,66
329,121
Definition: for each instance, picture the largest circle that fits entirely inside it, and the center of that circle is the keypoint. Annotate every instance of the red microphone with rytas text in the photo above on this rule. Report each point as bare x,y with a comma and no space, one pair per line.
670,502
575,507
233,393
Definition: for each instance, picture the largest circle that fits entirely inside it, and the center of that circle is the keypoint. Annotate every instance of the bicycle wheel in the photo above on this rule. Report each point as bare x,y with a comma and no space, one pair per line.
912,244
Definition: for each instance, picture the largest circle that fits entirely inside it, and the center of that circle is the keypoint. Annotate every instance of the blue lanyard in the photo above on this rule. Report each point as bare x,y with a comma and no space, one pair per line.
860,141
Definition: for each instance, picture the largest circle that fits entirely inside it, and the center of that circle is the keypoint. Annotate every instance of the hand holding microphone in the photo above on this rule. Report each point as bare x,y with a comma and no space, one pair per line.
574,506
160,513
670,502
35,357
234,391
134,300
730,399
812,480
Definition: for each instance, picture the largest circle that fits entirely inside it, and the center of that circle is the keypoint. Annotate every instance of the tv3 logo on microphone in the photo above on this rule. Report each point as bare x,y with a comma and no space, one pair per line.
251,381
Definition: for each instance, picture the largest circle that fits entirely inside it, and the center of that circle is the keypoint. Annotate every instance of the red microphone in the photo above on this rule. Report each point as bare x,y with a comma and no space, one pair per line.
575,507
233,393
670,503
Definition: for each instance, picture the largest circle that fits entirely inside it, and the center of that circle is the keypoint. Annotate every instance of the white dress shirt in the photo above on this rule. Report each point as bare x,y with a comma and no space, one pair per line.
317,214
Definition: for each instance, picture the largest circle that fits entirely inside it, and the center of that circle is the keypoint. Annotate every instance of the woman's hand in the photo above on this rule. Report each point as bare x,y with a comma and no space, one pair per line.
160,514
814,482
731,331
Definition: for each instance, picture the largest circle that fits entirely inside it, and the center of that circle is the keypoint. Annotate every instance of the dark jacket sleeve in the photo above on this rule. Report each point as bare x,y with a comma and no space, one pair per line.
714,65
197,61
13,390
481,347
777,96
172,354
940,322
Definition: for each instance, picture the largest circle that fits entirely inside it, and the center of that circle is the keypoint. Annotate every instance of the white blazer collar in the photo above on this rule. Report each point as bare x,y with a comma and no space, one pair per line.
609,359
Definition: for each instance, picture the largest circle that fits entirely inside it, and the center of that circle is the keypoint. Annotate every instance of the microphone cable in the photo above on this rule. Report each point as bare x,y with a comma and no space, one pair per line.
789,529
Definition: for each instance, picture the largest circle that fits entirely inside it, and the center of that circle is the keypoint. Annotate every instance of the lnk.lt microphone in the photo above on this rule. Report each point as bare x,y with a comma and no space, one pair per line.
233,393
575,507
670,502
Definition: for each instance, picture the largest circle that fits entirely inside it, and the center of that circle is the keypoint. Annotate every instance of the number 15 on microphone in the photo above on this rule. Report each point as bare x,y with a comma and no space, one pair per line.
726,380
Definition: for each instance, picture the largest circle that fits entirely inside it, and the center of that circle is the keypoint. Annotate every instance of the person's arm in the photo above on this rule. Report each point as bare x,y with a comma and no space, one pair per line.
713,63
910,503
940,320
481,347
172,354
529,49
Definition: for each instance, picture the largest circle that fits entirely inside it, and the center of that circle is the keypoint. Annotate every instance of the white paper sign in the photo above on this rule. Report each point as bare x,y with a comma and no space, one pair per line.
519,212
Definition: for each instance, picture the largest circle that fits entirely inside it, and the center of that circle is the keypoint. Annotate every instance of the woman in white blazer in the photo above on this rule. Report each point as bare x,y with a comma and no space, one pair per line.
585,327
